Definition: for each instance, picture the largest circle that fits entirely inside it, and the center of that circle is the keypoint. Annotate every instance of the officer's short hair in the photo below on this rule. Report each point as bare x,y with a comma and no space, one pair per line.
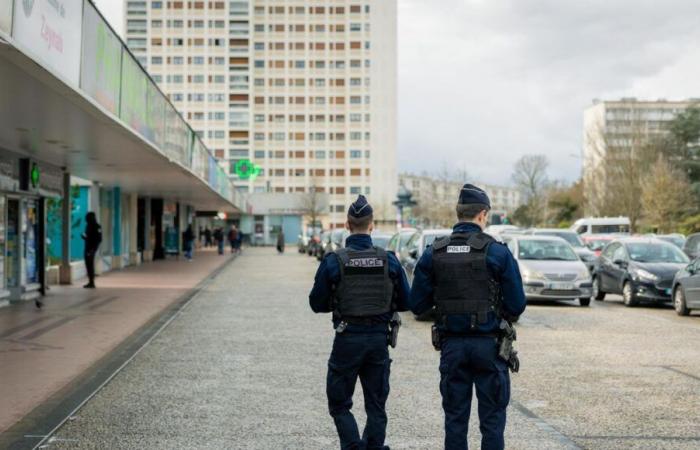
470,210
360,223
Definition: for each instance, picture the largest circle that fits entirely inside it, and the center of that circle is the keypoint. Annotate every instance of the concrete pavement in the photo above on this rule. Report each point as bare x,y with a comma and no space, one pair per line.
43,351
244,365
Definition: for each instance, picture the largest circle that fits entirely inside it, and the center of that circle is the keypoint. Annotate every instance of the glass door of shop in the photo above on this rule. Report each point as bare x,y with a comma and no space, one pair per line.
30,235
12,255
3,236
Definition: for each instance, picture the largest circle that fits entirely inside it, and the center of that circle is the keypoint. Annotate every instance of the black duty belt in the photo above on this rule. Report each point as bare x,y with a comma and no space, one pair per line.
363,321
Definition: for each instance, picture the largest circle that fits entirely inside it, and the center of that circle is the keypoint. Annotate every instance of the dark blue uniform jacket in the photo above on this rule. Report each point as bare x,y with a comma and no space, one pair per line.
328,274
503,268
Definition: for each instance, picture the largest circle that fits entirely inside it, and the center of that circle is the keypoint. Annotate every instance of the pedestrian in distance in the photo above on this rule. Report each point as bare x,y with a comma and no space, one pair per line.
474,284
188,242
232,238
364,287
207,237
92,237
219,238
280,242
239,241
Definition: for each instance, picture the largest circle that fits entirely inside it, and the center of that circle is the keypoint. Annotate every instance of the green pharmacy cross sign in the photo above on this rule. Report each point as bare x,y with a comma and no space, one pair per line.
247,170
34,175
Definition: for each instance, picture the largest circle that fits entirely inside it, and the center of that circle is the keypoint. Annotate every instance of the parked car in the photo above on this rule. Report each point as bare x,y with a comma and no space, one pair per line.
381,239
303,243
692,246
676,239
601,225
335,240
686,288
502,229
639,268
416,245
398,242
550,268
324,242
584,253
596,242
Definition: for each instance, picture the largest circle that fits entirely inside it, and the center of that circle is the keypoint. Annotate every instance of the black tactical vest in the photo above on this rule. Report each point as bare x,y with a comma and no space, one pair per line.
365,288
463,283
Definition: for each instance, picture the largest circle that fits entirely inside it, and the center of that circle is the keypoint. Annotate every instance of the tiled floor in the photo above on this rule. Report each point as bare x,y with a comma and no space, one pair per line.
41,351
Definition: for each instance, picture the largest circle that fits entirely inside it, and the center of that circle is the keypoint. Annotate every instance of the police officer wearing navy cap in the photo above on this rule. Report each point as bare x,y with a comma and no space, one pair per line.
474,283
363,286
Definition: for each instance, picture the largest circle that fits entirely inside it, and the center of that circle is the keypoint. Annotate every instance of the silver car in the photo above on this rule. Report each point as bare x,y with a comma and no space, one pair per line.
550,269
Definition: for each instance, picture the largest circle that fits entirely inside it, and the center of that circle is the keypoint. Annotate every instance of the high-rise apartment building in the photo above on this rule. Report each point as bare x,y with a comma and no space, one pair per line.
292,94
617,127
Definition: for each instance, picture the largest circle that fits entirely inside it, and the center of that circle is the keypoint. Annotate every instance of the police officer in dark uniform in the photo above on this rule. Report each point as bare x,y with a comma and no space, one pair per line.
474,283
363,286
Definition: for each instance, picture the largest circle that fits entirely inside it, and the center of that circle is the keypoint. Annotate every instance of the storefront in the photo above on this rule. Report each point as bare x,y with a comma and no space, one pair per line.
25,185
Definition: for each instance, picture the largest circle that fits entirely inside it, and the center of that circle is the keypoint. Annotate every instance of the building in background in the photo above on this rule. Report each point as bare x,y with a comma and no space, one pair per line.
295,95
436,198
620,126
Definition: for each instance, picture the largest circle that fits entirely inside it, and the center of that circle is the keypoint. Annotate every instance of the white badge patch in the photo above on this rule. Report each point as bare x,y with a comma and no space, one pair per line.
458,249
365,262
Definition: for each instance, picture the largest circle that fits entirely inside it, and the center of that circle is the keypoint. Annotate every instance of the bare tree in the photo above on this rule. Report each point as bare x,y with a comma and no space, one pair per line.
314,204
530,175
620,158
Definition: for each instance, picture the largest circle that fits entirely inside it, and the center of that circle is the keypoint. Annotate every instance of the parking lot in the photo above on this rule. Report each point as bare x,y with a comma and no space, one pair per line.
244,367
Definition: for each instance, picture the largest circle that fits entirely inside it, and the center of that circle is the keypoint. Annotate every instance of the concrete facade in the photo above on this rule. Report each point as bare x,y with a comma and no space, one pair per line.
292,94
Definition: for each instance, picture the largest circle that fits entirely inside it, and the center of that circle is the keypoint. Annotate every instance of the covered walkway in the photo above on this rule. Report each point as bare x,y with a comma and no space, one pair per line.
44,352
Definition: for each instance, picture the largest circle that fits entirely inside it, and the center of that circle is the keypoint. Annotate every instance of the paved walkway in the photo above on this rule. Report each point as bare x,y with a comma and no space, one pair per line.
243,366
42,351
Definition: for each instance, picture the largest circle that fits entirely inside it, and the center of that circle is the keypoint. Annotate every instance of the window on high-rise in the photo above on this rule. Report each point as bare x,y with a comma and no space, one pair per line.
157,5
355,154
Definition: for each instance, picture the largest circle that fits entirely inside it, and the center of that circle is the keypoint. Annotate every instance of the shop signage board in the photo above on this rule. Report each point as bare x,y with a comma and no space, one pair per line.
51,31
133,107
101,61
155,119
176,136
6,16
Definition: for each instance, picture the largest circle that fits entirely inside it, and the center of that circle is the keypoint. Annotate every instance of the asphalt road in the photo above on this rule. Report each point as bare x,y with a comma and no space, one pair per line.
244,365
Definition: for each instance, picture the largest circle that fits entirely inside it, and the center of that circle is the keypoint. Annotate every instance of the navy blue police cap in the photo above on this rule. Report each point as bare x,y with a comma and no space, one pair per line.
472,194
360,208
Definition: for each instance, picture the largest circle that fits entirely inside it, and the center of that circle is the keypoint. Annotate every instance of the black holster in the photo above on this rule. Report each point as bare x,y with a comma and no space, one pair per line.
506,351
436,337
394,325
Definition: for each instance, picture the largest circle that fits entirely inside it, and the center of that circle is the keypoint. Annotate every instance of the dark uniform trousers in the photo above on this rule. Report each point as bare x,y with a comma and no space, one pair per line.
367,356
467,361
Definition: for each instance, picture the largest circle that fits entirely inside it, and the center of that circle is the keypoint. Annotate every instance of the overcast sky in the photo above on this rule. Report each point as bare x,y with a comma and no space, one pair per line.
483,82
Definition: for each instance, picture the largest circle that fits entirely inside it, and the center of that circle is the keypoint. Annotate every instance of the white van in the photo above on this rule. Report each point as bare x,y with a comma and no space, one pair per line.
601,225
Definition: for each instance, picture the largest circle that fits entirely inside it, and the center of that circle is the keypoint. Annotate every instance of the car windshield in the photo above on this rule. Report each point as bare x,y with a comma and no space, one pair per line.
380,241
403,239
675,240
569,236
545,250
428,239
597,244
655,252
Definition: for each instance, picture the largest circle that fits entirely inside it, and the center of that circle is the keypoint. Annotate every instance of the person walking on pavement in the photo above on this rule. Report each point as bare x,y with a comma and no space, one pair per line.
232,238
280,242
474,284
188,242
207,237
364,287
219,238
92,237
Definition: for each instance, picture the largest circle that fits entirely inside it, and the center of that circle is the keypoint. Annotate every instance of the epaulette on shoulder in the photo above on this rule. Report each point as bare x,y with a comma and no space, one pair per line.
441,242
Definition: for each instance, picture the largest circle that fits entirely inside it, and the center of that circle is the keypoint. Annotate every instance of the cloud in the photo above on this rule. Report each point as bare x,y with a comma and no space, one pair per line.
482,83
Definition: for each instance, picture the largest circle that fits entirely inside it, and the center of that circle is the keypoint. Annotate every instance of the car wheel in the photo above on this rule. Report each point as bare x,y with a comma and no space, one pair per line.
628,296
679,302
597,293
584,301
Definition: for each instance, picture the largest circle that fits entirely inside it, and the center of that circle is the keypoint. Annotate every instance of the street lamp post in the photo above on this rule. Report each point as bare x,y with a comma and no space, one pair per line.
403,200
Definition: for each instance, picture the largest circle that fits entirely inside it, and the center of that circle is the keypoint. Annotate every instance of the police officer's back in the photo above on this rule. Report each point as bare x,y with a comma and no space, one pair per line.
473,282
362,286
